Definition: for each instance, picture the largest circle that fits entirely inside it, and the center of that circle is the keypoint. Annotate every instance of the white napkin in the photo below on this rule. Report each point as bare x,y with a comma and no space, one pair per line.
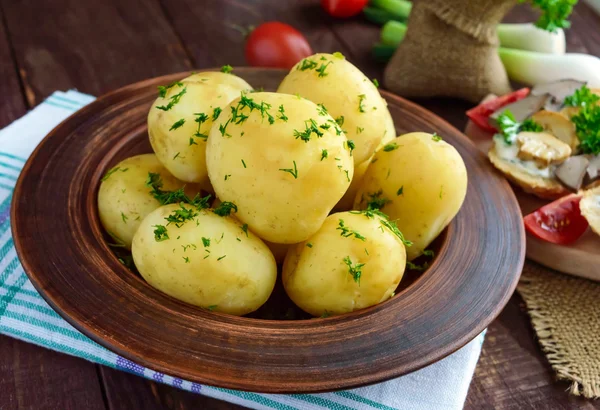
26,316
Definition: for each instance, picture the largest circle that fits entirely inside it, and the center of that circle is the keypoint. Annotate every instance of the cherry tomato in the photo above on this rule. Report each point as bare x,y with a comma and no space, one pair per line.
480,115
343,8
559,222
275,44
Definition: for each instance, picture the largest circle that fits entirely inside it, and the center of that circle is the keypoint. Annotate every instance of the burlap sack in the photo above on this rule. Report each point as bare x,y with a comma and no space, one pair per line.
450,49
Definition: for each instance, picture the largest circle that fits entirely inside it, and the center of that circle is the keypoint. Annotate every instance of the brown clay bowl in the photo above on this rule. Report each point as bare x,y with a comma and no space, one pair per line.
61,245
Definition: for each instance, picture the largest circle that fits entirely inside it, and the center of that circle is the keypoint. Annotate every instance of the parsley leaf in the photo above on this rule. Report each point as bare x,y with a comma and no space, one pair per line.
227,69
581,97
587,126
554,13
510,127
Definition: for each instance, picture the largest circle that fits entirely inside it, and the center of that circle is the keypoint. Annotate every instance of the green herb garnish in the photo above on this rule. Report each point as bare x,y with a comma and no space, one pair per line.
216,112
225,208
293,172
205,242
227,69
281,116
173,100
361,99
351,146
375,82
177,124
162,89
354,270
587,126
346,232
376,201
180,216
321,110
112,171
340,120
436,137
218,259
160,233
554,13
245,229
324,154
400,191
339,55
359,130
509,127
124,217
308,244
390,147
581,97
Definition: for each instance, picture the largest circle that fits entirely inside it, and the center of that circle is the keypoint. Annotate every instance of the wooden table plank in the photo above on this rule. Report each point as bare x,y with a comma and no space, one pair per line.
210,29
94,45
12,104
32,377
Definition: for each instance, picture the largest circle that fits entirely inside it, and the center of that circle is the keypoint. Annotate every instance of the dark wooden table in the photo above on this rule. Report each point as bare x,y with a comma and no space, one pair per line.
98,45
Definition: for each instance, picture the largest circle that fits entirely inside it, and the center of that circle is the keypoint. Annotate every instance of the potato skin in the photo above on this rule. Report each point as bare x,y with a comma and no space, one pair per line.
228,276
345,91
423,182
181,152
318,280
124,199
247,165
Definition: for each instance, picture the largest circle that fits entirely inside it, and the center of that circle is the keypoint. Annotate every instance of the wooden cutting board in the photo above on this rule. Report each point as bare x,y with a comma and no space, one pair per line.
580,259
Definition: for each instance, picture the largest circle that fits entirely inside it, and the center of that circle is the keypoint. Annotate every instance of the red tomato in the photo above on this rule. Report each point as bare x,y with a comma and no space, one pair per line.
274,44
343,8
559,222
481,114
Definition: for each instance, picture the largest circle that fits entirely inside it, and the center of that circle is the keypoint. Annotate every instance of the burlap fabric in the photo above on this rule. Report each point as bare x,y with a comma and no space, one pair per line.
565,312
450,49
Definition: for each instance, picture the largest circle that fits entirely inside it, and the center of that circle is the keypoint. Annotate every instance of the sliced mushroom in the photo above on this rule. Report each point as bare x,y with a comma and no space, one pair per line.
590,208
593,169
542,147
521,109
557,125
572,171
558,90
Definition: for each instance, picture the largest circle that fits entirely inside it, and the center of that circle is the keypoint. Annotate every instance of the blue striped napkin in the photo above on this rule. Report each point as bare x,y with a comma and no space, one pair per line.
26,316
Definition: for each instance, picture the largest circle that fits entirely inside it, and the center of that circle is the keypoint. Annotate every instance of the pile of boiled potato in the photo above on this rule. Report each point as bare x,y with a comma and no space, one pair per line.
277,164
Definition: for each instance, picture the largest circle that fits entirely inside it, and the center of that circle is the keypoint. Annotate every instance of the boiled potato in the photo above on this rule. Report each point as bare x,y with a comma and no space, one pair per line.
204,259
348,95
179,122
282,160
354,261
420,181
124,199
347,201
